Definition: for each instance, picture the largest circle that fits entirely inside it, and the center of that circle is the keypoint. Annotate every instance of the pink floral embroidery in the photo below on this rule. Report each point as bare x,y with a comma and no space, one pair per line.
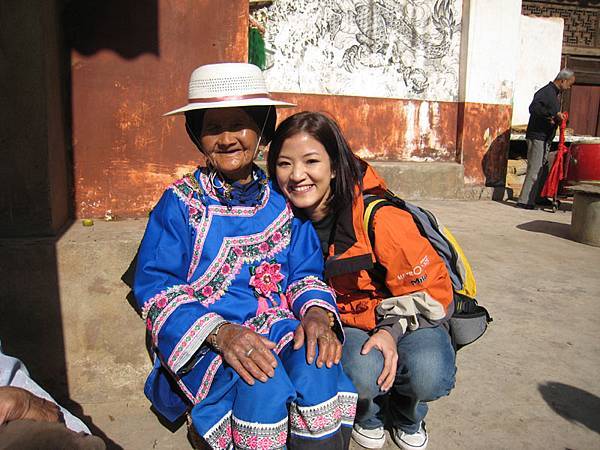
225,269
301,422
266,278
277,236
149,324
265,442
238,250
263,305
337,414
263,247
251,441
207,291
161,302
283,301
282,438
320,422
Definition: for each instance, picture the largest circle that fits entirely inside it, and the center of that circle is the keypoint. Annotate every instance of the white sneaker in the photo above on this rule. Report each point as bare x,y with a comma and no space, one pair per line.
374,438
415,441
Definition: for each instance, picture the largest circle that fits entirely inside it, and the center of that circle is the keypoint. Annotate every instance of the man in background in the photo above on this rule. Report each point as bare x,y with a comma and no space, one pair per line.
545,116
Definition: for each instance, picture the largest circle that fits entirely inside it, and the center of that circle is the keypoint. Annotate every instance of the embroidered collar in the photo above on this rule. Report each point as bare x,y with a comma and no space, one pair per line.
236,193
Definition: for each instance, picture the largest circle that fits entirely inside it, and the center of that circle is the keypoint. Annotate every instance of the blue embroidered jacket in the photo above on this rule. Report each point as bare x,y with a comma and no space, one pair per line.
202,262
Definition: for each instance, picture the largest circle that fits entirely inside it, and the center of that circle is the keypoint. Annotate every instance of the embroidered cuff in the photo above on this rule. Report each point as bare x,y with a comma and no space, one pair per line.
324,419
192,340
157,310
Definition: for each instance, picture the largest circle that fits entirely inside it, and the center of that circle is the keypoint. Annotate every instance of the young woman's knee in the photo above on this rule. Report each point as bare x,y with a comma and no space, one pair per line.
428,378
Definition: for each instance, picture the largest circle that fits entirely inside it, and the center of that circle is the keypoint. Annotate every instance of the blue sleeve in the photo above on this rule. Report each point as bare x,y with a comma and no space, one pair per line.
306,287
177,321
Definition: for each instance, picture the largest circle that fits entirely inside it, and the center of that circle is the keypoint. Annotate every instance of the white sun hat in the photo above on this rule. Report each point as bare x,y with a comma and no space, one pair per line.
227,85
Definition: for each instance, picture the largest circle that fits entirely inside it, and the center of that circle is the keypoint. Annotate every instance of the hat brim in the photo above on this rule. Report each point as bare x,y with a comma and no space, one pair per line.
230,104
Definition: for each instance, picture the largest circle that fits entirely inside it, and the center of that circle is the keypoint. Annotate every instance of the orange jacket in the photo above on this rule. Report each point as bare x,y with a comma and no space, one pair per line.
414,273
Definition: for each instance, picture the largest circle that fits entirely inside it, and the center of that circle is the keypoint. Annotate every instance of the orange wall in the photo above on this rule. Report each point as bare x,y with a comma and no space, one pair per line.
387,129
478,134
125,75
484,137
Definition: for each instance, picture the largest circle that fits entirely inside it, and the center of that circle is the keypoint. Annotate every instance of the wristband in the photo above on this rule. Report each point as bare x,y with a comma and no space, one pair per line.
212,338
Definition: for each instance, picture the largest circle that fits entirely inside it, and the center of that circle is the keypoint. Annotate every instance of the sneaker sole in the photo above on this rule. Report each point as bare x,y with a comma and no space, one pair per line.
367,442
406,446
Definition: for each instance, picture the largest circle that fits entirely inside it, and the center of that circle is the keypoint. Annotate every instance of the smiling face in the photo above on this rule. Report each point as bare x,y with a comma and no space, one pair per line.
303,172
229,139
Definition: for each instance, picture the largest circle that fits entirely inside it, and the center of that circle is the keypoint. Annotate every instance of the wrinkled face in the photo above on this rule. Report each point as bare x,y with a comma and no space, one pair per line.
304,173
229,139
566,84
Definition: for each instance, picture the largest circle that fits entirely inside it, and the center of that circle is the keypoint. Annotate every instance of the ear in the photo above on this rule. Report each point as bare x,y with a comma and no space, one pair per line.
193,137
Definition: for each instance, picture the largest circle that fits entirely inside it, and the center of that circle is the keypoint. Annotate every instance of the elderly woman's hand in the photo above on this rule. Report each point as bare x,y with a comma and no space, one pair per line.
315,329
247,352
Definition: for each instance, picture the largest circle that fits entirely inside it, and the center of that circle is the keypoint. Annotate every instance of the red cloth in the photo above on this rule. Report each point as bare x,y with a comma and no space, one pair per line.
557,172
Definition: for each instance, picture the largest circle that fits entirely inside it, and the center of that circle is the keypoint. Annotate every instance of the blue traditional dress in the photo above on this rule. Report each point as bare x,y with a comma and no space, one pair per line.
210,255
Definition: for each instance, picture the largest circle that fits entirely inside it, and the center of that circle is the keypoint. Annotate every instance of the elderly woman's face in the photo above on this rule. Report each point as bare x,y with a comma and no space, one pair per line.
229,139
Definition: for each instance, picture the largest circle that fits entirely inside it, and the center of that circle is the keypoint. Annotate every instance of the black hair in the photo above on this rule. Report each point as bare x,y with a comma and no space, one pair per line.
261,115
344,163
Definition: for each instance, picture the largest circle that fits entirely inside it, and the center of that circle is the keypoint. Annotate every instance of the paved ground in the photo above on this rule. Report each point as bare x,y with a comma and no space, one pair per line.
531,383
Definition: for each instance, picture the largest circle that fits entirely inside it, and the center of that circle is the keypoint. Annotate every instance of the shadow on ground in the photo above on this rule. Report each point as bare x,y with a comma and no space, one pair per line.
75,408
565,204
561,230
573,404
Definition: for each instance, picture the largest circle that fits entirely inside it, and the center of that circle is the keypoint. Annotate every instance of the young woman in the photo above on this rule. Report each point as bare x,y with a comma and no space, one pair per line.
394,293
245,332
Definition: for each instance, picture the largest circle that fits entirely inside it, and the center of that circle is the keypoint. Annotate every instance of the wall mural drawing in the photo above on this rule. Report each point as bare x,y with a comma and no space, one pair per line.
374,48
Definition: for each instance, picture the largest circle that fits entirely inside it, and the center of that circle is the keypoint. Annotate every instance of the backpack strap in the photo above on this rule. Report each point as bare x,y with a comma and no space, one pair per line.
372,204
427,225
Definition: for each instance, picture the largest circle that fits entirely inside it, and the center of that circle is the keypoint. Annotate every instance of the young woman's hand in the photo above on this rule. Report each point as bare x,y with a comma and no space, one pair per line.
247,352
386,344
314,329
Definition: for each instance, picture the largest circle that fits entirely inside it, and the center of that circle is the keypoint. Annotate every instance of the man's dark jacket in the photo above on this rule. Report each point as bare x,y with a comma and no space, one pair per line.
545,106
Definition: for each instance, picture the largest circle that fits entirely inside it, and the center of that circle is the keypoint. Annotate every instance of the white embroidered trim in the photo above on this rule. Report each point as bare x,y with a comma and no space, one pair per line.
325,418
192,340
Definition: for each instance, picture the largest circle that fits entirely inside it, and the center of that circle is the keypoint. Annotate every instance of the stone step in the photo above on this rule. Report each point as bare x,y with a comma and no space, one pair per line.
423,180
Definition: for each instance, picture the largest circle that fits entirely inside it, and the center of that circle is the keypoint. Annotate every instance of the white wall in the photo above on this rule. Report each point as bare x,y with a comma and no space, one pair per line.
371,48
489,50
539,61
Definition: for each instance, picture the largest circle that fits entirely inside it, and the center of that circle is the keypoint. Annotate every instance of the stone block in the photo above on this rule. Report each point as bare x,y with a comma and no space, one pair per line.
585,221
427,180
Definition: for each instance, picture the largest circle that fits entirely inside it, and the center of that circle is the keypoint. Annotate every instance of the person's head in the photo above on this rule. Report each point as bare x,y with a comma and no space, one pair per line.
229,112
313,164
565,79
229,137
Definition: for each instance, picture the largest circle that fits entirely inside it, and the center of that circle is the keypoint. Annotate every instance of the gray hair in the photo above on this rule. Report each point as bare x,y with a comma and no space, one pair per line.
565,74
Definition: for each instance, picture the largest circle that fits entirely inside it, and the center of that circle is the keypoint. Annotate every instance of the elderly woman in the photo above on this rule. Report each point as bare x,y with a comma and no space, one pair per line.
245,332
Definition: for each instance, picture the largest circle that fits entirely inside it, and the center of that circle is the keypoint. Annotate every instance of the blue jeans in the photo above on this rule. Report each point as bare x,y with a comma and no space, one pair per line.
425,373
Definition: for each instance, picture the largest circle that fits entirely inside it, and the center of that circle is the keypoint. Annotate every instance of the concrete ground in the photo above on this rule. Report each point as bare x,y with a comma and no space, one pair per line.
530,383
